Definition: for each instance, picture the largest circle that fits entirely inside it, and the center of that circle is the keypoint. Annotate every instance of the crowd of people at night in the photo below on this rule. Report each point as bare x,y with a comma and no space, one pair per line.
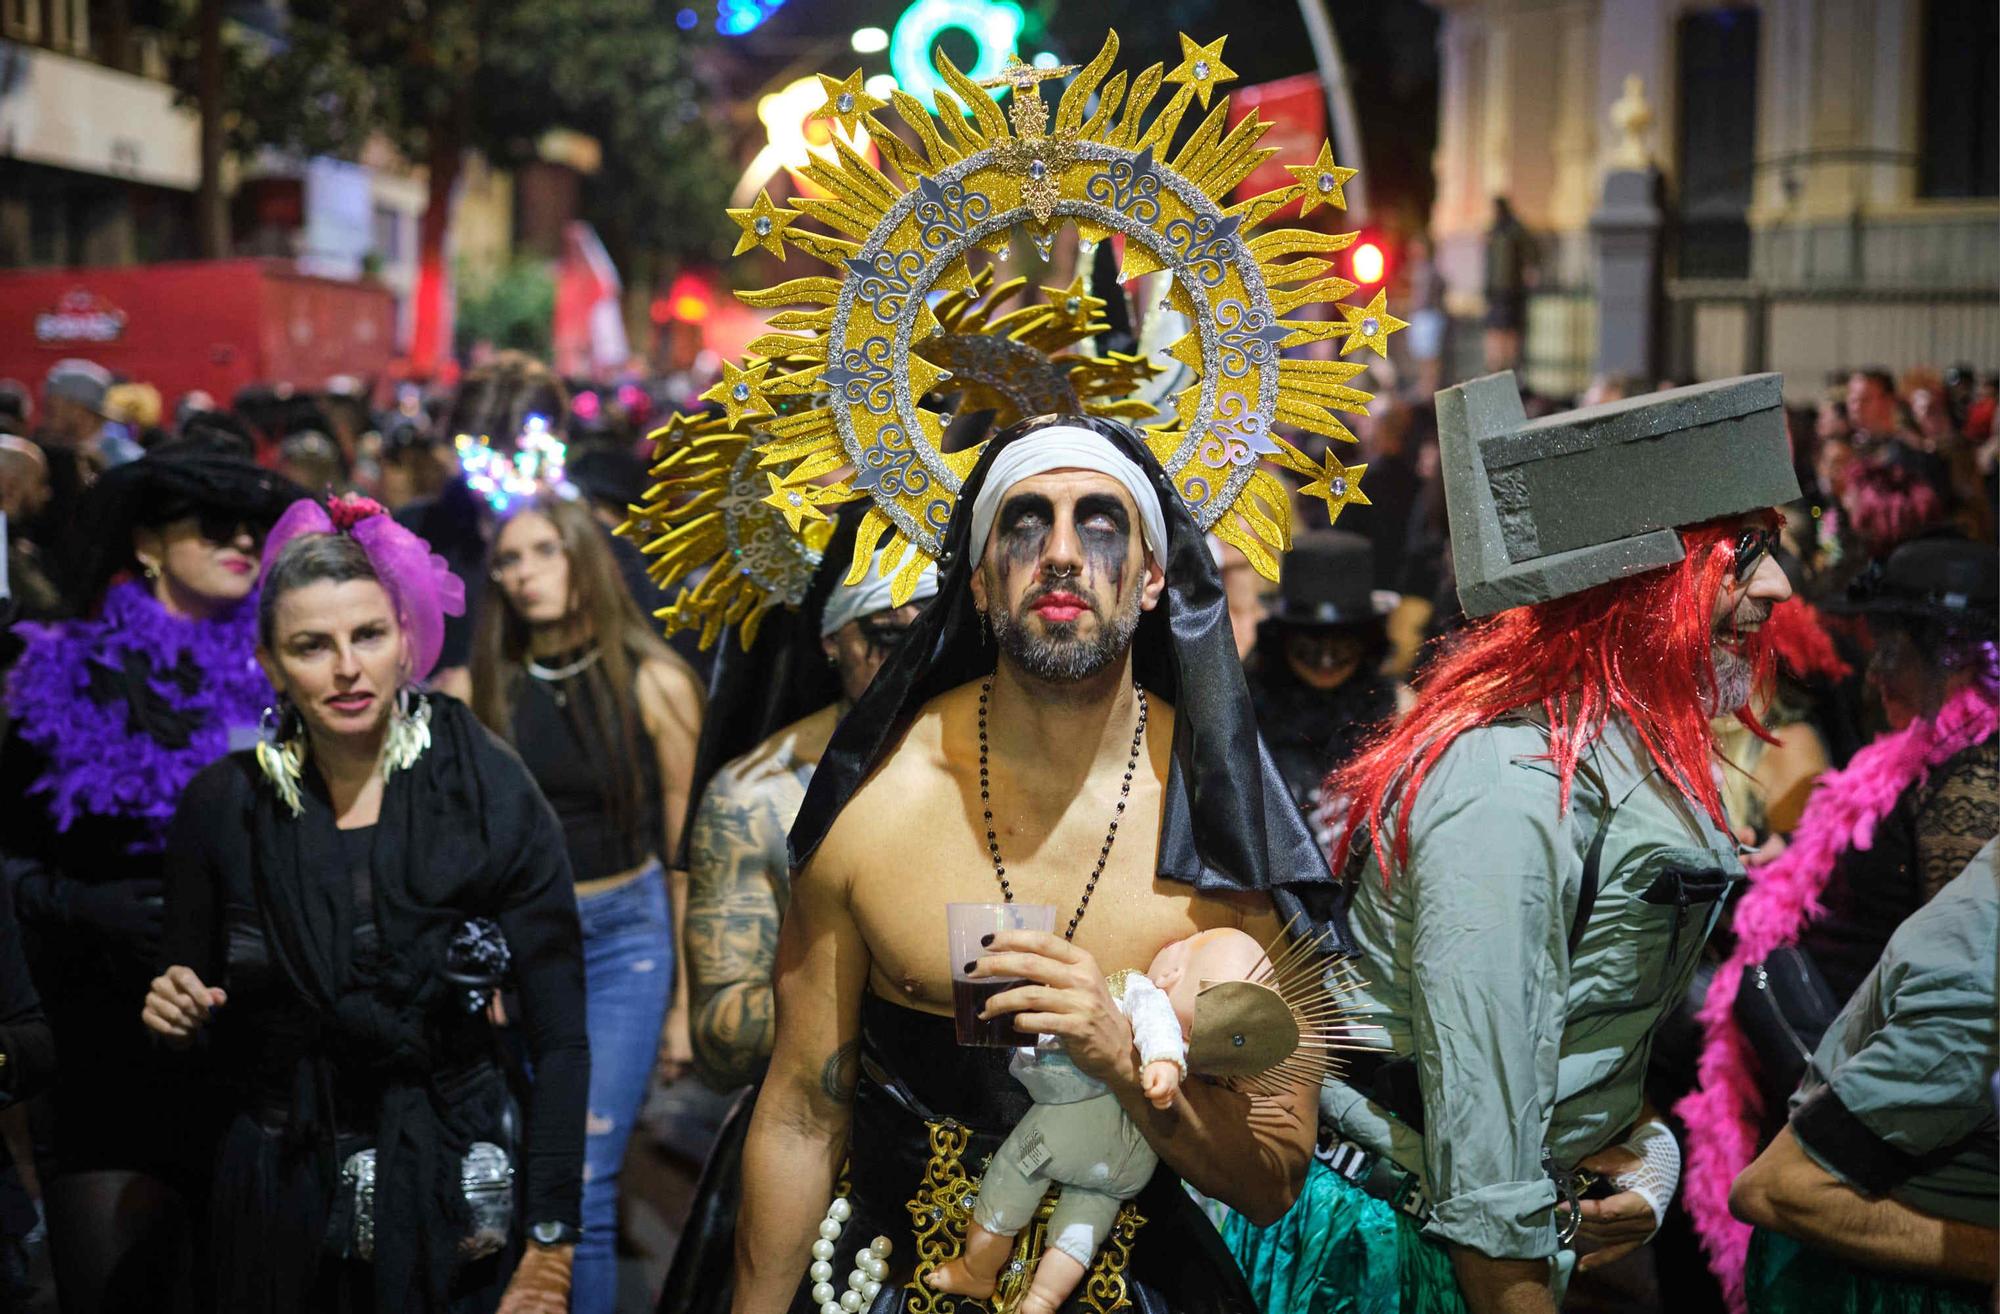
371,858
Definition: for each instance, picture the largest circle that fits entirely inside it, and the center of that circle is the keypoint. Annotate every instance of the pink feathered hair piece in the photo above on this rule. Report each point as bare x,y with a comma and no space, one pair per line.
1725,1109
418,581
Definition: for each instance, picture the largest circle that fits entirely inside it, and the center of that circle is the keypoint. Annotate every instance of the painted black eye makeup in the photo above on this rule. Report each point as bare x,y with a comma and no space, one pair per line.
1025,510
1100,510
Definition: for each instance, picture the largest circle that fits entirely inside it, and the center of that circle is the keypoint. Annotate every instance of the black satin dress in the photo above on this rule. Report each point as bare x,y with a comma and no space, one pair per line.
914,1075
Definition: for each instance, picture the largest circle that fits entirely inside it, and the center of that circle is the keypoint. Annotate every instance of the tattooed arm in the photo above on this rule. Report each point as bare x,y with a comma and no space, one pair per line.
799,1131
736,867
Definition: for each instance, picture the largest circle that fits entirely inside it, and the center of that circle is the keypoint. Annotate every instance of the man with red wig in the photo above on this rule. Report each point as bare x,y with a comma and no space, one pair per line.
1536,853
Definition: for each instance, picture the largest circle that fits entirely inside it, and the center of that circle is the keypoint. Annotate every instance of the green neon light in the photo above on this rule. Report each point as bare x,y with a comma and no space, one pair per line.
994,26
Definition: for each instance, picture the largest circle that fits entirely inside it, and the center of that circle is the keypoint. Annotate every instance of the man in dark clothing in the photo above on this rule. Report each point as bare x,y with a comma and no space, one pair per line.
1316,684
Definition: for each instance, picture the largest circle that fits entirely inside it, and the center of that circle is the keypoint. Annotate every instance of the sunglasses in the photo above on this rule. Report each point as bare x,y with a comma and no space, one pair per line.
223,527
1752,546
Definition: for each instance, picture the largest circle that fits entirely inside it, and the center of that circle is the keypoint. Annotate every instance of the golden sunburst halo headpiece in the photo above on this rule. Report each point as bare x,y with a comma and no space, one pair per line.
716,517
1106,166
749,539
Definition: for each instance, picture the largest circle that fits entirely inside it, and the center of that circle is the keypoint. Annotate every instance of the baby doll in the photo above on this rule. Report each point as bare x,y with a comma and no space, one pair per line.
1077,1135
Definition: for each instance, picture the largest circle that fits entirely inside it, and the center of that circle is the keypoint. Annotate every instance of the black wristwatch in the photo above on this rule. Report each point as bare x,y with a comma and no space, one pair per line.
552,1234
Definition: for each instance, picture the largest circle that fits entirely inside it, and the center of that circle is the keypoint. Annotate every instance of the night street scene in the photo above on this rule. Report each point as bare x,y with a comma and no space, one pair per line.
999,656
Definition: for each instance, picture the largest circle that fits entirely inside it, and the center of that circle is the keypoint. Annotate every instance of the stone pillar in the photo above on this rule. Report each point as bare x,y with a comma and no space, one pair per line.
1625,238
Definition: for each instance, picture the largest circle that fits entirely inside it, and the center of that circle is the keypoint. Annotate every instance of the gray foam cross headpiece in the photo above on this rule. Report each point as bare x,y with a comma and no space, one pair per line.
1546,508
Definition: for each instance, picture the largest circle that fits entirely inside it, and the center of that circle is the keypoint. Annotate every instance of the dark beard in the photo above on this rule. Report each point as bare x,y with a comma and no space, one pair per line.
1060,657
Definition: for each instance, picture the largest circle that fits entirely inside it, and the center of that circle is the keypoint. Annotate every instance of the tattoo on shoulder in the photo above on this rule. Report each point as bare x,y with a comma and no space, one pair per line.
842,1071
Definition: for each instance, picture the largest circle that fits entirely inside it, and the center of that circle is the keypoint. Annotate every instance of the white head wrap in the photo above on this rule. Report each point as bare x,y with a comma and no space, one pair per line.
1067,447
853,601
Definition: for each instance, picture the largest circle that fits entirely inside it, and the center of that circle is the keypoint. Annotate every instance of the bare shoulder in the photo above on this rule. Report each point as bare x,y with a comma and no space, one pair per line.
666,679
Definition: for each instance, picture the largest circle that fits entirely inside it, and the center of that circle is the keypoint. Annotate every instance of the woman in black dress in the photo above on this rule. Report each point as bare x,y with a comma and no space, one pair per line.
329,896
605,717
111,714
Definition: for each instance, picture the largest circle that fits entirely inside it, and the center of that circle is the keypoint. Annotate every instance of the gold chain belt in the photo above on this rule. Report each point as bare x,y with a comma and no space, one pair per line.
942,1208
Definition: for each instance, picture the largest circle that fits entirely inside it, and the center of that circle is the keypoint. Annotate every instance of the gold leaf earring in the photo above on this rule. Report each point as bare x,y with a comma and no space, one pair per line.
409,732
281,752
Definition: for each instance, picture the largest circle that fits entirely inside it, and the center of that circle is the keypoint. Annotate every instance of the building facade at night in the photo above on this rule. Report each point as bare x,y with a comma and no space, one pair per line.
1828,189
102,164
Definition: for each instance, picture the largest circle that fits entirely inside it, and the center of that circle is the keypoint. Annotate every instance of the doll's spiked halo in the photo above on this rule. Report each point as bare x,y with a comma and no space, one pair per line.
1107,166
1284,1027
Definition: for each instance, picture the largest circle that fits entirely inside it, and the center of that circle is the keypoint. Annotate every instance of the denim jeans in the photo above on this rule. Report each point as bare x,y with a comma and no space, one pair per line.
628,974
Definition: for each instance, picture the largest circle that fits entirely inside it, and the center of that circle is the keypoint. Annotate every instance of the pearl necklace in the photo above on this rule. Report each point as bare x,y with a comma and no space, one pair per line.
864,1280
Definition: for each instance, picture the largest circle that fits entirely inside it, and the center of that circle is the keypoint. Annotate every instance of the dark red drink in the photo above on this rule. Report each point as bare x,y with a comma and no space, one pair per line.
967,998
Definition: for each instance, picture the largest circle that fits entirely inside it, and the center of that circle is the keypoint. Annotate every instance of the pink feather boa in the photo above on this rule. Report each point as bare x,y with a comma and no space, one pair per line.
1723,1112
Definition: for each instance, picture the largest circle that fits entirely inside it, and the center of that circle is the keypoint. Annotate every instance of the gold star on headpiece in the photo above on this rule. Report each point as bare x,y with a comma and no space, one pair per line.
740,392
796,501
1074,307
764,225
845,100
1323,180
1338,485
1201,67
1369,325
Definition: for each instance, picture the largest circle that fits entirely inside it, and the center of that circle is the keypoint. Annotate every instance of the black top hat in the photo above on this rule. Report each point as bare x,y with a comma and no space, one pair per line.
1326,581
1938,579
176,480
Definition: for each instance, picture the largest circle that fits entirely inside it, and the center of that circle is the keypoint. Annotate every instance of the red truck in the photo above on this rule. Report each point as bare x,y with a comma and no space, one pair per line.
217,325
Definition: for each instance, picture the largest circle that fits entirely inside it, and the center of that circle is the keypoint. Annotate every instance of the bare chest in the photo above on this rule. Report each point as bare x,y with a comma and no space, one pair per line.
942,857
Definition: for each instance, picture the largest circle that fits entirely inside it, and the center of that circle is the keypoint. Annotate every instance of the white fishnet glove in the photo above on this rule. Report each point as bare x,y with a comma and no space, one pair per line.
1658,1175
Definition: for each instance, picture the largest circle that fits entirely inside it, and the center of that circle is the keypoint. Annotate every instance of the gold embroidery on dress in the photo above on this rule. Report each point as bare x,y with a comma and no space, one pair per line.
938,1214
941,1209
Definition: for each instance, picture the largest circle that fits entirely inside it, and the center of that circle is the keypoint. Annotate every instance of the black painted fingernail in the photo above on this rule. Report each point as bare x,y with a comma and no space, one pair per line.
971,966
985,941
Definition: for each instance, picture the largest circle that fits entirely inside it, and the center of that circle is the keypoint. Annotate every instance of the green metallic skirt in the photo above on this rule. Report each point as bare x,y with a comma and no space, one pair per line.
1341,1251
1785,1277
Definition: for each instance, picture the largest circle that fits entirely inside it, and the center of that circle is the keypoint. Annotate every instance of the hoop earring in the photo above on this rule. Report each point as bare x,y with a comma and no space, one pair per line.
281,751
150,569
409,734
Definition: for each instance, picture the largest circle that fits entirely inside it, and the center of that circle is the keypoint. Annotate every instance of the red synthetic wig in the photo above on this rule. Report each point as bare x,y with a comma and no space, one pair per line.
1640,647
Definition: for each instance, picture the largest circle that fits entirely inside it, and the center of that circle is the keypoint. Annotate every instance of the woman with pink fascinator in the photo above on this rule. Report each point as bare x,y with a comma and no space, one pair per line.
343,902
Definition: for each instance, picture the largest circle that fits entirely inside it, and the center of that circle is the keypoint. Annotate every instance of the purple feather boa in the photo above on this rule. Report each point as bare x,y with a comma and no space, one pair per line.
99,765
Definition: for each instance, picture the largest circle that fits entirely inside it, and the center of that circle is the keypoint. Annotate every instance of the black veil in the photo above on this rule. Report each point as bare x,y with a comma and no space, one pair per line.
1227,824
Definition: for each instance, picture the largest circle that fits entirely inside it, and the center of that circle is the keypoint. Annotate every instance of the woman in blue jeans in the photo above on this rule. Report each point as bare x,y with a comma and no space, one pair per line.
606,717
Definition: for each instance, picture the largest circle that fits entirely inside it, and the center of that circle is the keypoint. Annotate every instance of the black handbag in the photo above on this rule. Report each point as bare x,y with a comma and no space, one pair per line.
1783,1008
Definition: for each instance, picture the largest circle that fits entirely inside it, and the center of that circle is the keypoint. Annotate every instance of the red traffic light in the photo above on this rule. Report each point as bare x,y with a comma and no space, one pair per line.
1369,263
